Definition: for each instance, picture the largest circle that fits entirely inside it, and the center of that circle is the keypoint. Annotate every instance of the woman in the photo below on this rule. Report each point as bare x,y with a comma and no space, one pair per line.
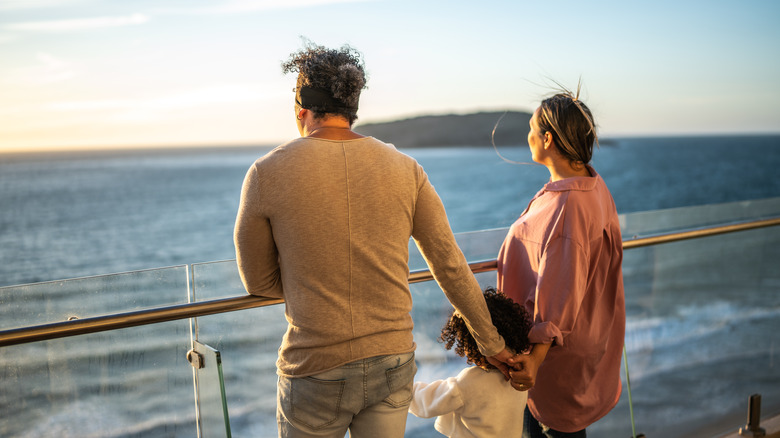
324,222
562,260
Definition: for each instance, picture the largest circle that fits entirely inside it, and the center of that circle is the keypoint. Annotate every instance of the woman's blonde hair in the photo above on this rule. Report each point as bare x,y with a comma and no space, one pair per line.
571,125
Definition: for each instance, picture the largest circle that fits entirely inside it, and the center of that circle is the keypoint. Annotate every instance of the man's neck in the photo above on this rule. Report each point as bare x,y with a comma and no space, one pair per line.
331,128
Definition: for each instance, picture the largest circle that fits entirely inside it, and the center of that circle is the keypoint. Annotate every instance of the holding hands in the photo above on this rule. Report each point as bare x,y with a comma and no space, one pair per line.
520,369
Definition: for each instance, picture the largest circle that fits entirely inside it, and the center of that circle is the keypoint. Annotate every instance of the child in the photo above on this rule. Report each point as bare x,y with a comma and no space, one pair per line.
479,402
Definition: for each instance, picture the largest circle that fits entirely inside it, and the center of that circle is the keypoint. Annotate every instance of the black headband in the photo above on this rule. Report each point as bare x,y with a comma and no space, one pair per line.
321,100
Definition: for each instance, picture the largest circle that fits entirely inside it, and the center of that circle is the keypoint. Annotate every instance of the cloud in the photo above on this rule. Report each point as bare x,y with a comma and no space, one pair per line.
47,70
241,6
218,103
7,5
216,94
78,23
53,69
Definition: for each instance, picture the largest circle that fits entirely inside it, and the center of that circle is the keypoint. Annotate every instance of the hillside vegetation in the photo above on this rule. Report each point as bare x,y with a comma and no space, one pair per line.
451,130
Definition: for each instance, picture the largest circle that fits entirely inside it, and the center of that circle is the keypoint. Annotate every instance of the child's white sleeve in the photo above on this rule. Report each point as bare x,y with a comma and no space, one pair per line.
436,398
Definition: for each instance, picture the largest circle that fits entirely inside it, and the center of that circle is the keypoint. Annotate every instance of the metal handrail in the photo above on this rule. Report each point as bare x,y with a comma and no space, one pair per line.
701,232
181,311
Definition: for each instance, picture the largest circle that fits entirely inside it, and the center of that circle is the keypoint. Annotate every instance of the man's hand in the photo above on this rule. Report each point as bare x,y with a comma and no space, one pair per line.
500,361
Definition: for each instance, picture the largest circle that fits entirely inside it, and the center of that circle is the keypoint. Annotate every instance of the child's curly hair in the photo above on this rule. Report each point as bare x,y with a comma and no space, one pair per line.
511,320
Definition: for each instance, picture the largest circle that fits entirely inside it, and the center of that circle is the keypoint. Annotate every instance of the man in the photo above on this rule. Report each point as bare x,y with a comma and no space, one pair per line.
325,222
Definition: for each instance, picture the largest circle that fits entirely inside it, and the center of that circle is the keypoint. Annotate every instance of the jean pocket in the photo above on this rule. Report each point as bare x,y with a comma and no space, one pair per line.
400,381
315,403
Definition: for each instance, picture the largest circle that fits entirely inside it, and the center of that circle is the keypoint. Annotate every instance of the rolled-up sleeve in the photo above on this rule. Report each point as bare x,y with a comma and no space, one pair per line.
561,287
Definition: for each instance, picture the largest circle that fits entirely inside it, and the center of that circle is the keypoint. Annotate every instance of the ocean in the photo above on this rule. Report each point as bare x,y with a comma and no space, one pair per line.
69,215
129,211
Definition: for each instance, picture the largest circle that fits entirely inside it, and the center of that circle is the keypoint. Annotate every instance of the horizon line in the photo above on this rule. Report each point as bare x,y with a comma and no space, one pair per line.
182,147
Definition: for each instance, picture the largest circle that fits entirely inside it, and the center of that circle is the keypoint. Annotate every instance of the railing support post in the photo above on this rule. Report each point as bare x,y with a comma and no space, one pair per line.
752,428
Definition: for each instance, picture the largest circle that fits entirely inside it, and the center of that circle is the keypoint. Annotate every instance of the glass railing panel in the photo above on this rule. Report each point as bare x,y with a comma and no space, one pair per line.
248,342
212,409
214,280
683,218
476,246
429,312
703,317
133,382
699,312
79,298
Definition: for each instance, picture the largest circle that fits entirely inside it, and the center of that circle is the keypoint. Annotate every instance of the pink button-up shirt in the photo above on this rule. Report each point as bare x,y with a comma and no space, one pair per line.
562,260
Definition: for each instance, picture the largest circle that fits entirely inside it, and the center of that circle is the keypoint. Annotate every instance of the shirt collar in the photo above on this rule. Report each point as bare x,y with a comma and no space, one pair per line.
578,183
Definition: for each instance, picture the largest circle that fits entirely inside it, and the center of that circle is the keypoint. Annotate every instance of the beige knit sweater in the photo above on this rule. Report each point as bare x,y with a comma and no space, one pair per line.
325,224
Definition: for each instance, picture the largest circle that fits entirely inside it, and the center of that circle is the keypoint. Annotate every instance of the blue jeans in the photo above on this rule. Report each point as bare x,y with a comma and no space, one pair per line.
368,397
532,428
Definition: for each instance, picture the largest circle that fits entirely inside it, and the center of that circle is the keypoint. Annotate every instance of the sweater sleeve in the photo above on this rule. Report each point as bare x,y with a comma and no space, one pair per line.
436,398
434,238
256,252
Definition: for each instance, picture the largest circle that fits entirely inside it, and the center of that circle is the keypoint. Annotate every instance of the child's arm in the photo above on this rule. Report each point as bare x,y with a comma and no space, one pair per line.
435,398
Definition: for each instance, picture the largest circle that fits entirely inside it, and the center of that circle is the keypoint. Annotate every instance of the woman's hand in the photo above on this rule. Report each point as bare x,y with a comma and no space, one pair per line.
525,366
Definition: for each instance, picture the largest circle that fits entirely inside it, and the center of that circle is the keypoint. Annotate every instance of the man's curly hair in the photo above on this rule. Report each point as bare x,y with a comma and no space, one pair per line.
511,320
340,71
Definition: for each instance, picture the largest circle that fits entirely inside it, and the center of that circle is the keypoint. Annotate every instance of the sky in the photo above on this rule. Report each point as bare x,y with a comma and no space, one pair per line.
107,73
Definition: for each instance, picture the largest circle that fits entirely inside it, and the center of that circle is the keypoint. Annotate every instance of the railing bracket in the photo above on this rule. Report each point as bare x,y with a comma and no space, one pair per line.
195,359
